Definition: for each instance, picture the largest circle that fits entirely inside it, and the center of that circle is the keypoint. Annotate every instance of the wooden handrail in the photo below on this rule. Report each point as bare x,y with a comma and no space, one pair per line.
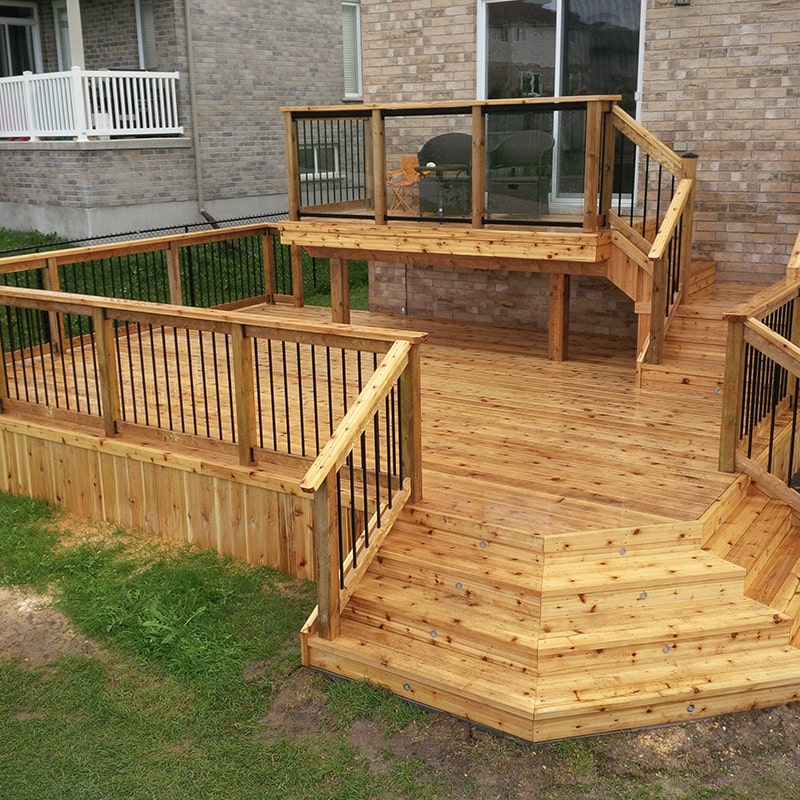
671,219
358,417
377,339
640,136
766,300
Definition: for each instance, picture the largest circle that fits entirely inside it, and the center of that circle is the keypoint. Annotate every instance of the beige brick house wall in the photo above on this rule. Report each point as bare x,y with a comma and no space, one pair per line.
721,79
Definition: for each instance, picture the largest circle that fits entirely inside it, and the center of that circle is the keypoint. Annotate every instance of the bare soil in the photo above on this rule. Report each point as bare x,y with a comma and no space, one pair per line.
745,755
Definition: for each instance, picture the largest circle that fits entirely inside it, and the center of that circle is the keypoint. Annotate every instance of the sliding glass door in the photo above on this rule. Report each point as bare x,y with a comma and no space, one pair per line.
556,48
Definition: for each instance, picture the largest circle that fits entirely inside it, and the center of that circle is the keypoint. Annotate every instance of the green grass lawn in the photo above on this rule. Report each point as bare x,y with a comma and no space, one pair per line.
197,692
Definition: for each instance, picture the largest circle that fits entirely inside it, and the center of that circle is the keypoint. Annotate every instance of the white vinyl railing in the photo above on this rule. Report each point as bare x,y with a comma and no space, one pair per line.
83,103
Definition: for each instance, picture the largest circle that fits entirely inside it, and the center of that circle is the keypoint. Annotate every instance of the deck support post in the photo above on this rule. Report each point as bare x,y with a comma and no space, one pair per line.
340,290
410,408
732,392
478,170
378,162
591,177
558,329
292,166
326,556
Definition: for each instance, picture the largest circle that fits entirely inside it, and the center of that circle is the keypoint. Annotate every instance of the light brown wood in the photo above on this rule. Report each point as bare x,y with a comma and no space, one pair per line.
558,327
340,290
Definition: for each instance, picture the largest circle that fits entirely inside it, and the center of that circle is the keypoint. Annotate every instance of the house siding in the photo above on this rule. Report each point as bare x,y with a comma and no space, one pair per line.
720,79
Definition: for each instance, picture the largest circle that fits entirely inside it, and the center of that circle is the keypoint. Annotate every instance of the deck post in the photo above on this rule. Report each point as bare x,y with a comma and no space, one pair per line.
54,319
591,178
326,558
105,346
174,274
292,167
410,420
340,290
296,260
268,265
606,166
732,392
658,310
378,140
558,328
478,170
244,384
689,171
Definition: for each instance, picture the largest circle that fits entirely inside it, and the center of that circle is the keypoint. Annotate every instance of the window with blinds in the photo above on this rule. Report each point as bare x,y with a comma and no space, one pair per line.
351,37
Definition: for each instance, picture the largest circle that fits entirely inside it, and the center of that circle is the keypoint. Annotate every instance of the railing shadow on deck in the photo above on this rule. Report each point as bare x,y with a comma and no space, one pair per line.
760,430
600,170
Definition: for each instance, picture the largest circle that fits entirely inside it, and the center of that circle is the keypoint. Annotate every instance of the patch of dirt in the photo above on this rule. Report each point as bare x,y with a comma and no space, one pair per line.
33,632
734,753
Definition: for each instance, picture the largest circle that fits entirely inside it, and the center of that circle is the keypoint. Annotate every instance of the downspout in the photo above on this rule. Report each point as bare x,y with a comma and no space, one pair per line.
198,161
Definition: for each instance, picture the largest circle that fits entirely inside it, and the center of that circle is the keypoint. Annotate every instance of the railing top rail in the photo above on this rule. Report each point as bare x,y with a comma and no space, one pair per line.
209,319
680,201
358,417
638,134
445,107
765,301
94,73
76,255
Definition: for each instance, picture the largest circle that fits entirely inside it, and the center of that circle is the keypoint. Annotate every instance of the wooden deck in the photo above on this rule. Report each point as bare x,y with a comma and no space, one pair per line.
577,563
554,580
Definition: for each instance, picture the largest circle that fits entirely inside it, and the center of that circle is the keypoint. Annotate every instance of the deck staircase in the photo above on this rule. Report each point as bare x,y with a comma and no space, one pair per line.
694,348
565,635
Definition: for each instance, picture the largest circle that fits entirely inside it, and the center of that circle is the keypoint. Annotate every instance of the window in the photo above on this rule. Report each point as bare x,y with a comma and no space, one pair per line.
146,33
351,39
62,34
318,162
19,39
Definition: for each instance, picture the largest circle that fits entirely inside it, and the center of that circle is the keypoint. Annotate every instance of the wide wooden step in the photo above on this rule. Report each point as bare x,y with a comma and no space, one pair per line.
678,690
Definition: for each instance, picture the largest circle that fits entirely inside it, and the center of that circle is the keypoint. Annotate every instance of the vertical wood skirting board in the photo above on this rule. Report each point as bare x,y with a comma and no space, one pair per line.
239,511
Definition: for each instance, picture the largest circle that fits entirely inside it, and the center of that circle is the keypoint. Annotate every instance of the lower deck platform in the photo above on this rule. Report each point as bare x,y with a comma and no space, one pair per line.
558,579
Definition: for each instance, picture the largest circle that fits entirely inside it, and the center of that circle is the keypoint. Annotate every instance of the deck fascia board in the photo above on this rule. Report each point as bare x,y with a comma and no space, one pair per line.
453,245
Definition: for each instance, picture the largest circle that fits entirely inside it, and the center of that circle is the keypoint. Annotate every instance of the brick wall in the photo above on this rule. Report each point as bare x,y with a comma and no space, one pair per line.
84,177
498,297
722,78
251,59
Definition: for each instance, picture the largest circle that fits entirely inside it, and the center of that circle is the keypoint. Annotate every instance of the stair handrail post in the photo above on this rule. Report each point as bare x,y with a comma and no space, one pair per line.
732,393
658,311
687,227
411,423
326,560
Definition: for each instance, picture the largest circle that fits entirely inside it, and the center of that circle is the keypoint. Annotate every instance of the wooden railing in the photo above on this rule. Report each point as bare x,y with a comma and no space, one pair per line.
338,405
759,432
657,229
363,478
200,269
606,172
83,103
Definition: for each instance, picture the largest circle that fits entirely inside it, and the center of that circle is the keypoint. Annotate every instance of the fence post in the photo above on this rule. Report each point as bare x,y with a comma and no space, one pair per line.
658,311
732,394
105,344
410,420
326,557
79,110
245,394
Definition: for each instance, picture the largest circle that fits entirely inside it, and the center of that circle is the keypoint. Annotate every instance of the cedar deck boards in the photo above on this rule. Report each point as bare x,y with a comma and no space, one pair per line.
552,583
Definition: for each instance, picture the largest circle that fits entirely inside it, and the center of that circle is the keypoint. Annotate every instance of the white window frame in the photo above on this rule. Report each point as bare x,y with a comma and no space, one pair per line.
355,48
33,24
59,14
145,33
